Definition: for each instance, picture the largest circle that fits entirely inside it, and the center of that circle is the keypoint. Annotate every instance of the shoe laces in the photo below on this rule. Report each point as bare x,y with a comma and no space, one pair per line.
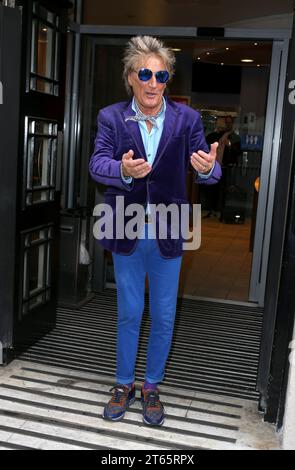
118,392
153,399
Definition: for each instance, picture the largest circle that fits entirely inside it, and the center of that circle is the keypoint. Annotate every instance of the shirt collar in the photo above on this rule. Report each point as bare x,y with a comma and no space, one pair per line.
161,116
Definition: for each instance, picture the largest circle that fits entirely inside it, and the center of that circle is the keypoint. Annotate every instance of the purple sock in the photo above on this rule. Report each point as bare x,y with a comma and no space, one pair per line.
149,385
126,385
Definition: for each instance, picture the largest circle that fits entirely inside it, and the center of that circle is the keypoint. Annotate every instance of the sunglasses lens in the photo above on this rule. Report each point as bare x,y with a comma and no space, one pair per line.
162,76
145,75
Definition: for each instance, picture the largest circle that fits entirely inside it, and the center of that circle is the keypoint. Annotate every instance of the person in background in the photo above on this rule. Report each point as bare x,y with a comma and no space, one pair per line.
229,144
228,152
143,149
211,193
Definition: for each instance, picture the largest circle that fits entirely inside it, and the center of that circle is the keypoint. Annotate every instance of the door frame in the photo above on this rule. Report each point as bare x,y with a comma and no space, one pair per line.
10,79
37,228
269,167
273,122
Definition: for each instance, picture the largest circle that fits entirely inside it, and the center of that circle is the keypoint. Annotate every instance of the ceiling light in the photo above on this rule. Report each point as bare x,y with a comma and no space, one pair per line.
222,63
255,43
44,29
227,48
175,49
208,53
258,65
199,58
247,60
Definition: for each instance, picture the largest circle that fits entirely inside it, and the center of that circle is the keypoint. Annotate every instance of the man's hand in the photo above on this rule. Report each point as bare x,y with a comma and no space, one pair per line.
137,168
202,162
224,140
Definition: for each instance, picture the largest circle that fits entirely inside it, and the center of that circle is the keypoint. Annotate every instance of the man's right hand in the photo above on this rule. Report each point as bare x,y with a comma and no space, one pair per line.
137,168
224,140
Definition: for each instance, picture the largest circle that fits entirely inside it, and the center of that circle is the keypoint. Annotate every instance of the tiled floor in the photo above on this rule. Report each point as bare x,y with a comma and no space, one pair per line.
221,267
48,407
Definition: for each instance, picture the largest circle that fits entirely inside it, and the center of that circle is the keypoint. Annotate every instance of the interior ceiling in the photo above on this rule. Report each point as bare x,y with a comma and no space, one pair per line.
226,52
210,13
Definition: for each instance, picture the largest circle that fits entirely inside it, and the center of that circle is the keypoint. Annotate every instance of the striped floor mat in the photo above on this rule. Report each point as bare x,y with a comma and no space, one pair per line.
215,346
46,407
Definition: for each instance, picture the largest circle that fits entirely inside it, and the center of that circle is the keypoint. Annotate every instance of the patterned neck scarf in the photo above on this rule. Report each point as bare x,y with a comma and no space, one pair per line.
140,116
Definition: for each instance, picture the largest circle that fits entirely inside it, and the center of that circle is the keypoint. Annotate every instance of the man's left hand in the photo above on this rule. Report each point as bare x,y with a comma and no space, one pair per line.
202,162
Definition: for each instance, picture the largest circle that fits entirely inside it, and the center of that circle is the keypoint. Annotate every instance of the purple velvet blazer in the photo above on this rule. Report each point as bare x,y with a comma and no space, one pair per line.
166,183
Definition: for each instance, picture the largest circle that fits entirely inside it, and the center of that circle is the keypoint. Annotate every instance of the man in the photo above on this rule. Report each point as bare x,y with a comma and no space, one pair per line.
142,152
229,144
228,151
210,194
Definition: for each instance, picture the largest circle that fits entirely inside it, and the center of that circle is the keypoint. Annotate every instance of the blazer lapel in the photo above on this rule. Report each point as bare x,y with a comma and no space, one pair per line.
133,129
168,129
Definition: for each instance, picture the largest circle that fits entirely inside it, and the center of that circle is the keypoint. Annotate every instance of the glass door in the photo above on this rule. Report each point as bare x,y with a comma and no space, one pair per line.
41,128
235,83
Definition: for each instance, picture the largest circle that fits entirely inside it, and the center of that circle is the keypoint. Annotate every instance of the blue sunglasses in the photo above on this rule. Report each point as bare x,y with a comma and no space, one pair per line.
146,74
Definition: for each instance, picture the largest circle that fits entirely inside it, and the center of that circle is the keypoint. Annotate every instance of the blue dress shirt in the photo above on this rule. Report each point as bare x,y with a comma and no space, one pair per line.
151,141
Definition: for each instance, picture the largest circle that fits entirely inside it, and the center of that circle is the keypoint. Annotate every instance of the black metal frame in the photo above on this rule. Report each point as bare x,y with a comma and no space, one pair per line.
279,297
10,59
25,295
53,80
33,104
53,161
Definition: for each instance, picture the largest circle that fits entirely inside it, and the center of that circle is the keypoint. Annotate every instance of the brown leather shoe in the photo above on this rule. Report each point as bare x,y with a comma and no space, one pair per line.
122,398
153,410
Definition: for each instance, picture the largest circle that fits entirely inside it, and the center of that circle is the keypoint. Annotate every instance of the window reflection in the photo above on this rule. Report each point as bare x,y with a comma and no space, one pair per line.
36,277
44,51
41,161
36,268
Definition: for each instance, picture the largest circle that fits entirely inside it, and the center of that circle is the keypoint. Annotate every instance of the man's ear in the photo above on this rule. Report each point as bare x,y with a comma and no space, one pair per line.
129,80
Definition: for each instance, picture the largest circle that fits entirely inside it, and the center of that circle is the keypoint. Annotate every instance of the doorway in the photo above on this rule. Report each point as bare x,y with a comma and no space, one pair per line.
100,84
233,256
227,81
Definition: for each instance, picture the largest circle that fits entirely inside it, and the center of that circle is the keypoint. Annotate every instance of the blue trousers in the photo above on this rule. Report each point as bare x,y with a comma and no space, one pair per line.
163,278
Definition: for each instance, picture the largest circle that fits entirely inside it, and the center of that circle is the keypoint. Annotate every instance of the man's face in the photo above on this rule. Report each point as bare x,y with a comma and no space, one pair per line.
148,94
228,124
